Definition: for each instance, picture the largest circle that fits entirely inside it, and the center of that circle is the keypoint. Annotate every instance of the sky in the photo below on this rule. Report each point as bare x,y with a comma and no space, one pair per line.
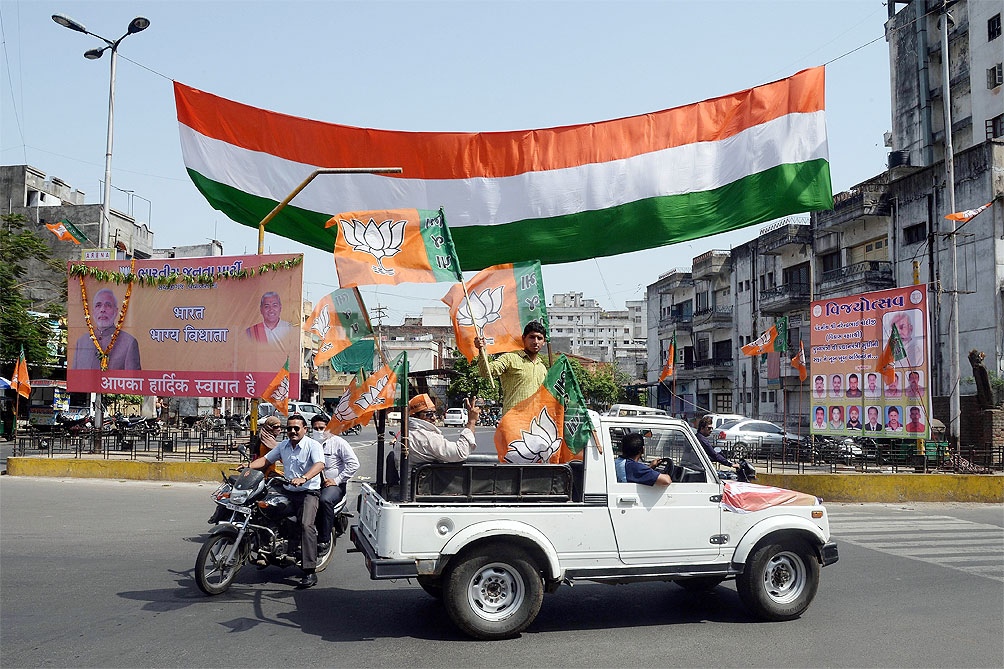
420,66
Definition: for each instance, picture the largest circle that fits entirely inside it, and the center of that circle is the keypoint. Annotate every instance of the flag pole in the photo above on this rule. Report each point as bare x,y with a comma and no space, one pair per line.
479,332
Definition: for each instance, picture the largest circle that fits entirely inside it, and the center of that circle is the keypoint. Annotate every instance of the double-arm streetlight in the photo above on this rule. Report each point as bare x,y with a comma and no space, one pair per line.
138,24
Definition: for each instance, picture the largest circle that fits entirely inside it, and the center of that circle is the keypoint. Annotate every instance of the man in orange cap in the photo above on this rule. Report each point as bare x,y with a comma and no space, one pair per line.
426,442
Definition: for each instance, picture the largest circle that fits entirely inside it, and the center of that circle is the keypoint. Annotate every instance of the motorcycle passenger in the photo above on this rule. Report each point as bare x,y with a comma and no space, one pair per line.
340,463
302,461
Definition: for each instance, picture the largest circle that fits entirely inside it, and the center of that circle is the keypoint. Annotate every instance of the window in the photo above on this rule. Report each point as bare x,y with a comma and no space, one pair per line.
723,403
747,285
739,287
763,395
995,127
993,27
995,76
771,397
914,234
831,261
763,283
770,279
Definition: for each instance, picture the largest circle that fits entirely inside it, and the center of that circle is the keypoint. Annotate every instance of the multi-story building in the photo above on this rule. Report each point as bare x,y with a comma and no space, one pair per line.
582,327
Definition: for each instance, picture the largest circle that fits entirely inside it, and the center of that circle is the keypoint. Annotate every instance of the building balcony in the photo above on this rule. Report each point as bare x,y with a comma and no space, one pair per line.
866,201
713,368
711,318
858,278
784,298
674,279
784,235
710,264
676,322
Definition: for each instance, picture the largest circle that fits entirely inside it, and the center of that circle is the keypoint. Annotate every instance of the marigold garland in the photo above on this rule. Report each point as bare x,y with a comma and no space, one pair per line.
81,271
103,354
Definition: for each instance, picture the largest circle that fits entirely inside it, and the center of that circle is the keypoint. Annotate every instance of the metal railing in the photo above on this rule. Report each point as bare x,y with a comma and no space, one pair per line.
187,444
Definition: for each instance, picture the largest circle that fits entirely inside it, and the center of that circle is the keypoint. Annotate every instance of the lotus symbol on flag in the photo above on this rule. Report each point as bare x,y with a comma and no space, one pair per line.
281,392
322,323
483,308
537,445
371,396
380,240
343,410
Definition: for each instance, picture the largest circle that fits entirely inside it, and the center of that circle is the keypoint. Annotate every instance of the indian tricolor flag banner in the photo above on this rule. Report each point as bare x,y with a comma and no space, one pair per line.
555,194
393,246
338,320
503,299
552,425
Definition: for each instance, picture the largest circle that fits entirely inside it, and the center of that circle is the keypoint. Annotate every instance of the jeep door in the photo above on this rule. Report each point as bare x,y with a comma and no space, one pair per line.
677,523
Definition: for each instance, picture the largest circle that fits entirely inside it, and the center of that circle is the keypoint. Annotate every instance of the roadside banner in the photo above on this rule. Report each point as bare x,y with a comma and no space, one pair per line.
216,326
857,340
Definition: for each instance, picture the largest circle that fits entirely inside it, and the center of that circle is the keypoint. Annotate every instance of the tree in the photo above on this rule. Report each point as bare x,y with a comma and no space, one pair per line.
18,328
470,382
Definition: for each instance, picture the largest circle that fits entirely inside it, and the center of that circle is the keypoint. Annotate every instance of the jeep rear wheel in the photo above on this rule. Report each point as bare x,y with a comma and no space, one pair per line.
780,580
494,592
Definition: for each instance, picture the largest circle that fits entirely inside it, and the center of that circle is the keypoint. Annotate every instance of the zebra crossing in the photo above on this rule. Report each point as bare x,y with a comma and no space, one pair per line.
971,547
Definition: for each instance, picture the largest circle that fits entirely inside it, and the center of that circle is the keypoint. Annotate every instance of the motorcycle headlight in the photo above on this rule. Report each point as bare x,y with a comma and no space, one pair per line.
239,496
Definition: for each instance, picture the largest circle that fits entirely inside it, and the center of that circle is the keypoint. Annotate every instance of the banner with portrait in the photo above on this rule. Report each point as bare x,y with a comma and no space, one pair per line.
849,396
217,326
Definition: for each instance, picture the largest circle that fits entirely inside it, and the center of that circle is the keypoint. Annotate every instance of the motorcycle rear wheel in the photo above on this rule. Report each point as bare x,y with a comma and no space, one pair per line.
212,575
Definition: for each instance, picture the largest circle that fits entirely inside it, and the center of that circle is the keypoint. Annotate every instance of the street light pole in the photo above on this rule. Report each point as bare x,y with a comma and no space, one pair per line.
138,24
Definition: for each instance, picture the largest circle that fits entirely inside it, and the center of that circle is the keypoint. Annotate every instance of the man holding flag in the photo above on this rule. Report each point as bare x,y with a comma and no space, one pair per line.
426,442
519,372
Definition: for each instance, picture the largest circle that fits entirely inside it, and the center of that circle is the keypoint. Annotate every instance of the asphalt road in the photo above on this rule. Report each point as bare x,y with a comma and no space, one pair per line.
99,573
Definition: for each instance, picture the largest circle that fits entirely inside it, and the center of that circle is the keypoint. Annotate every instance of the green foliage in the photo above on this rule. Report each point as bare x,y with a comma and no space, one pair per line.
602,387
470,382
17,328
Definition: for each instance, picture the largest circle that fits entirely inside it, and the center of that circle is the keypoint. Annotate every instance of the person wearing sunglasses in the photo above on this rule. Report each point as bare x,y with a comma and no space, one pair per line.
426,441
302,462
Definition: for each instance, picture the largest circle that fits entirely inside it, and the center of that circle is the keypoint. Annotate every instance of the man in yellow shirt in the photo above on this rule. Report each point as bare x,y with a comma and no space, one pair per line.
519,372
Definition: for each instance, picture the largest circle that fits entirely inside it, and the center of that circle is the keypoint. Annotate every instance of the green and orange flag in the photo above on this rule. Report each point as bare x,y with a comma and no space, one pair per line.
892,352
552,425
774,340
19,380
338,321
798,362
277,391
66,231
394,246
362,400
670,367
503,299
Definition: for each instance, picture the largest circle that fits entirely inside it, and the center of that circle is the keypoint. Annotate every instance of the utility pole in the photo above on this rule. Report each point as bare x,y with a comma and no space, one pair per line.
955,407
380,312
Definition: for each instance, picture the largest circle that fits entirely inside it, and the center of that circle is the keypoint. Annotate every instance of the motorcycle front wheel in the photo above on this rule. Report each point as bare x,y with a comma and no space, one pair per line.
211,571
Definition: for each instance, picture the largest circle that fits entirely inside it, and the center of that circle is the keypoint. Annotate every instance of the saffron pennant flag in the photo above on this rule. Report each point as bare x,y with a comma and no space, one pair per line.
66,231
277,392
891,353
338,320
798,362
376,392
773,340
968,214
503,299
552,425
670,367
394,246
344,417
556,194
20,381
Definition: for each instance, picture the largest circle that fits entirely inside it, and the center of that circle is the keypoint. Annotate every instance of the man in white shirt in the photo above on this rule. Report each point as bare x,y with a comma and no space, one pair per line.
302,461
426,442
340,463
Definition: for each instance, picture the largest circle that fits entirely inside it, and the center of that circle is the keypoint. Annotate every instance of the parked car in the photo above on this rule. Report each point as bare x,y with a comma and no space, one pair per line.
305,409
455,417
742,438
719,419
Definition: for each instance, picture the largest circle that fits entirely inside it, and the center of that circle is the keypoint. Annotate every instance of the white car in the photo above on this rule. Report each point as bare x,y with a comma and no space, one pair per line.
455,417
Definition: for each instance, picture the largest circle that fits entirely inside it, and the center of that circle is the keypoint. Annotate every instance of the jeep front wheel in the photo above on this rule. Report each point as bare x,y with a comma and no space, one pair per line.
780,580
494,592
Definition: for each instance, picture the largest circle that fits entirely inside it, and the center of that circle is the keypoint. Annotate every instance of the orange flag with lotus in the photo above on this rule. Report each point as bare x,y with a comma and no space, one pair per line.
277,391
394,246
503,299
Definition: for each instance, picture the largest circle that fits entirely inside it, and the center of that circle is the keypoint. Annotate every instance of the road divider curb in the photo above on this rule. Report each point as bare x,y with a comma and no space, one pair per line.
119,469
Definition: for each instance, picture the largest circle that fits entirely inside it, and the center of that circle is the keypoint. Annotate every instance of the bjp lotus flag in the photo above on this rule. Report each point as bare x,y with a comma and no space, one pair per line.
19,381
892,352
361,401
968,214
394,246
552,425
670,366
338,320
277,391
503,299
66,231
798,362
773,340
344,415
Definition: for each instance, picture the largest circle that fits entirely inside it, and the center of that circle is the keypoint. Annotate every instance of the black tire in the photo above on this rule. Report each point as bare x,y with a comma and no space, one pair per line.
494,592
433,586
700,583
323,560
780,580
211,574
